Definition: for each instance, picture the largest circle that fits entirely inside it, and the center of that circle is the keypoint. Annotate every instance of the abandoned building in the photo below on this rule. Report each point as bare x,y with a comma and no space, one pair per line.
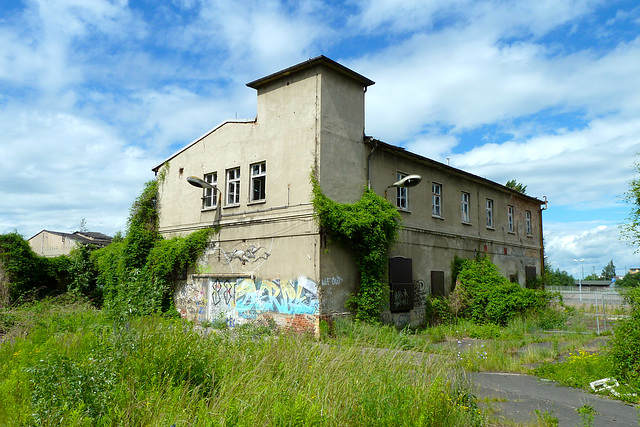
269,257
54,243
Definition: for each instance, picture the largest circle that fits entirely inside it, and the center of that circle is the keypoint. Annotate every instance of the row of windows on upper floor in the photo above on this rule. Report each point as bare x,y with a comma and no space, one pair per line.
402,202
257,186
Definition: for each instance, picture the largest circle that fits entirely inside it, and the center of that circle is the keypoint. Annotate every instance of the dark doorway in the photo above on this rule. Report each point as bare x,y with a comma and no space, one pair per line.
401,284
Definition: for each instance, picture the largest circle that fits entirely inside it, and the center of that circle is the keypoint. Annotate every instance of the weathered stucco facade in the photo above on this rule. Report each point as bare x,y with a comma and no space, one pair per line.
269,258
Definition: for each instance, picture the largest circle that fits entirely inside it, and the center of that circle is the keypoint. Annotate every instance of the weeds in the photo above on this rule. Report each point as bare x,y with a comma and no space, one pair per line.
77,367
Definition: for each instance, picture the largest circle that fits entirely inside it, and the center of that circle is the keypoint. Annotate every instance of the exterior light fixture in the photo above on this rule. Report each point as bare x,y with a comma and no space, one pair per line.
406,182
197,182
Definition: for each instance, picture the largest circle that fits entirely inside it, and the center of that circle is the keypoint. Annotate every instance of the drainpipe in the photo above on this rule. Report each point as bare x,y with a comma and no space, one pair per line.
542,242
375,145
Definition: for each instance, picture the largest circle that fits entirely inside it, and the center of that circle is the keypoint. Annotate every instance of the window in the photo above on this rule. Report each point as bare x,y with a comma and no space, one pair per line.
258,181
436,193
527,222
510,218
465,207
489,213
233,186
402,193
210,195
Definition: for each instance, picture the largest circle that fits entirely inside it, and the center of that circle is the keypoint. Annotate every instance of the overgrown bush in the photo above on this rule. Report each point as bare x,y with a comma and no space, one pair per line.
29,273
368,228
137,273
625,345
485,296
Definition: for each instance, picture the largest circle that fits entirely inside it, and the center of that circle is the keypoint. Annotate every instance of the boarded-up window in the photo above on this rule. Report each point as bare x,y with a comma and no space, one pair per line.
530,273
401,284
437,283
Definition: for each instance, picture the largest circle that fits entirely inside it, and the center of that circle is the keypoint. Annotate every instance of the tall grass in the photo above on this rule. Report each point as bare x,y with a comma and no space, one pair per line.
67,365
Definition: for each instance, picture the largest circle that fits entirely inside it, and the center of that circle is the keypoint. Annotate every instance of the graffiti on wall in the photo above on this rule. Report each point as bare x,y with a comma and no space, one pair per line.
292,297
233,298
191,302
420,292
241,254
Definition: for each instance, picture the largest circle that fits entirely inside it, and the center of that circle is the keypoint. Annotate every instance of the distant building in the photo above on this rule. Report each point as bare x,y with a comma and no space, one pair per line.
634,270
270,258
54,243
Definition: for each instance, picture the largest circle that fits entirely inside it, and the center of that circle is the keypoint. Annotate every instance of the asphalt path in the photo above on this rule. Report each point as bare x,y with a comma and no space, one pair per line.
516,398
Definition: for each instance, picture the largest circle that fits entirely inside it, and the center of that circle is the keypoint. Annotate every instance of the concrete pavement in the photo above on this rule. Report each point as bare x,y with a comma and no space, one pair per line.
516,397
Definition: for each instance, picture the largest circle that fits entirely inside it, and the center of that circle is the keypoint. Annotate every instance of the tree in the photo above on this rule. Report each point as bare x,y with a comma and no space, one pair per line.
630,280
515,185
609,272
557,277
631,230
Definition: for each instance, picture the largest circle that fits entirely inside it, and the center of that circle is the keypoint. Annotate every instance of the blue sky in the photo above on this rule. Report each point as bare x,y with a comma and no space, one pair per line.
94,93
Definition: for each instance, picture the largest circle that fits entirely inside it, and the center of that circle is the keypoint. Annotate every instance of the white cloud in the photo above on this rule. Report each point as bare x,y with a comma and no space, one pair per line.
586,168
58,163
596,244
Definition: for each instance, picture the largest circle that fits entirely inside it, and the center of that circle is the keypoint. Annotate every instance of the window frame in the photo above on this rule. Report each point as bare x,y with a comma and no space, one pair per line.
210,193
260,176
436,200
489,211
233,182
527,222
465,214
402,193
510,219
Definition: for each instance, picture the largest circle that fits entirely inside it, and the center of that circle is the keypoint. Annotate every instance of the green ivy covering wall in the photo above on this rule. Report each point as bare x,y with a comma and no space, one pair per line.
368,228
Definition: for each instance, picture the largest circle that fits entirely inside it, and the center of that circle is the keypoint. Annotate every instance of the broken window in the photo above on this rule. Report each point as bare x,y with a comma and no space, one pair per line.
258,181
465,206
402,193
510,218
527,219
436,193
233,186
489,213
210,195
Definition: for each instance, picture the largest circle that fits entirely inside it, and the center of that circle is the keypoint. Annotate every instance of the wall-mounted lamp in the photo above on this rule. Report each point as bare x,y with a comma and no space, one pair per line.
197,182
406,182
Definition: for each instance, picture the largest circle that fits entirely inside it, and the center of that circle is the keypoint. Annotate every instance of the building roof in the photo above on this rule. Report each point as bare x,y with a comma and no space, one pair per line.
450,169
84,237
318,60
195,141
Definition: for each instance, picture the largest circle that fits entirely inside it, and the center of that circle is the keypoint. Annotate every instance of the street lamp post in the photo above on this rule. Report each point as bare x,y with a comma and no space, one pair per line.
197,182
579,261
406,182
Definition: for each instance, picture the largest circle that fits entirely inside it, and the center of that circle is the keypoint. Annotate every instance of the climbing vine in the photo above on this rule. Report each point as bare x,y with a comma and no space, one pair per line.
138,272
367,227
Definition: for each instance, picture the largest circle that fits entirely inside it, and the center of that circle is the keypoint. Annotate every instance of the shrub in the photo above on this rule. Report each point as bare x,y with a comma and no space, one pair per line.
484,295
625,345
27,272
137,273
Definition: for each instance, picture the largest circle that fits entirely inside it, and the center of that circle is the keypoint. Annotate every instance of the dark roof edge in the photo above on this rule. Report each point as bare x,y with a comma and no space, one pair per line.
194,142
451,169
94,237
318,60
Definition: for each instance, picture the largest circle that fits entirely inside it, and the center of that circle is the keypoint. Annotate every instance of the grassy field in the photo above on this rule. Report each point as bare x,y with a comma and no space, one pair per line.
63,362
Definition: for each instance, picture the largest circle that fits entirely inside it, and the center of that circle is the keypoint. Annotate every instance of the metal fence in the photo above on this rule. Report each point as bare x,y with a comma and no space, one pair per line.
610,298
599,303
